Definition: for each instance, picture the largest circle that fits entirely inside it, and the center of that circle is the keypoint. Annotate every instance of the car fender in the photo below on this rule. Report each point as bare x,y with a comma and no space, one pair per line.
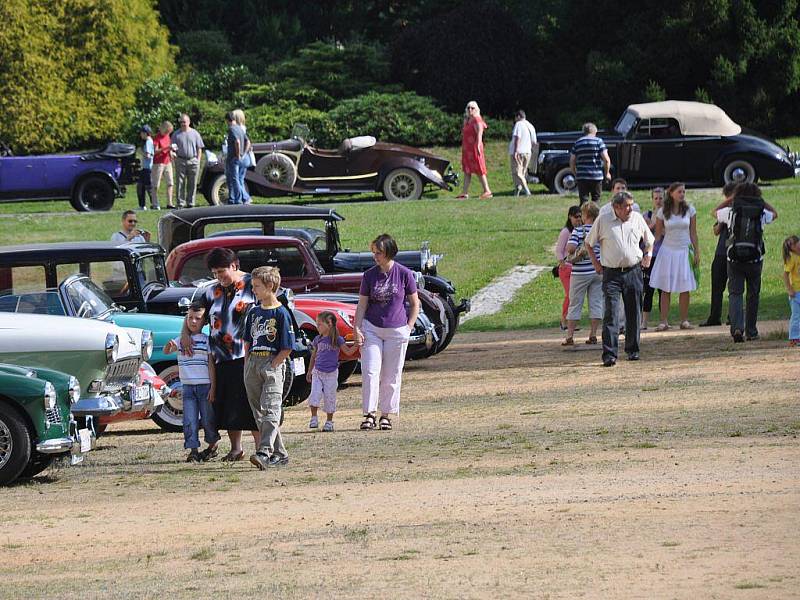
766,165
97,172
428,175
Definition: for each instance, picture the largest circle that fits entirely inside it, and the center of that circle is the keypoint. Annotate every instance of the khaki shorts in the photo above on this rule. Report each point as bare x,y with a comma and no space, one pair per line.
162,169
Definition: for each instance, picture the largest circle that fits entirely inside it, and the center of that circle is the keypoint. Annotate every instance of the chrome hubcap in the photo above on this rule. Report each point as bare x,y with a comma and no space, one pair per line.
402,186
568,182
6,444
738,175
276,174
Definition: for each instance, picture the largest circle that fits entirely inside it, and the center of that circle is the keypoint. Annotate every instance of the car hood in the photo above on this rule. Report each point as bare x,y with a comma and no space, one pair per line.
761,141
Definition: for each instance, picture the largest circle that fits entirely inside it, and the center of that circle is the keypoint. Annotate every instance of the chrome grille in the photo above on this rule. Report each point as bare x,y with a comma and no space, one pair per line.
53,415
121,372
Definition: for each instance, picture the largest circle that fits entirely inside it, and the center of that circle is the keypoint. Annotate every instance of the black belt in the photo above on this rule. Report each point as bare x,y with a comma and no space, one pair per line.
623,269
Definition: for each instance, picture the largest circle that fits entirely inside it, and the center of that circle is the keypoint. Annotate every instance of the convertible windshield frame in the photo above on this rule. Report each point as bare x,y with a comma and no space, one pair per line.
625,123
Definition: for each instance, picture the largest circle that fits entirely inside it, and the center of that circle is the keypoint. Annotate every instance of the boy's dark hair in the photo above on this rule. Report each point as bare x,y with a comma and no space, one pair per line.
617,180
728,189
196,306
386,244
750,190
219,258
520,114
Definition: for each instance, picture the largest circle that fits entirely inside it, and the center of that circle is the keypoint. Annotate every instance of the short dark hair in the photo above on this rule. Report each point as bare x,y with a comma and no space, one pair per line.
229,116
219,258
386,244
127,213
617,180
749,190
728,189
520,114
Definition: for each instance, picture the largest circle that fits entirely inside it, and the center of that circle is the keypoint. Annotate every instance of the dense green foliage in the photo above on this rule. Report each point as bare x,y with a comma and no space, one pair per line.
69,69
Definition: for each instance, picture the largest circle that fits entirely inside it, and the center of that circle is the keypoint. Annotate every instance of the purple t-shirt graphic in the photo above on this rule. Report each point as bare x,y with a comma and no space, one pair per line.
387,293
327,359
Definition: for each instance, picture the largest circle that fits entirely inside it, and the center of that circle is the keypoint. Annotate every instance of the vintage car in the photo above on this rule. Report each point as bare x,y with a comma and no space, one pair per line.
660,142
359,165
90,181
302,273
104,357
177,227
133,276
36,424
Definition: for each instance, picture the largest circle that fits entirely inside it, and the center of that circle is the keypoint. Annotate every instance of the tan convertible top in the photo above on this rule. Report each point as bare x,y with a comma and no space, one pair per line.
694,118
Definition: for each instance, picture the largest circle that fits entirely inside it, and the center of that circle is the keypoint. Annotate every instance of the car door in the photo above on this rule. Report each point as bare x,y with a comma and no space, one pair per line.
23,177
653,152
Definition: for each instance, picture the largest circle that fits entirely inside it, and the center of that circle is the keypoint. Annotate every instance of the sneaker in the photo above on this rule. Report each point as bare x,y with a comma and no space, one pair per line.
328,426
156,207
260,461
738,338
278,461
194,456
314,422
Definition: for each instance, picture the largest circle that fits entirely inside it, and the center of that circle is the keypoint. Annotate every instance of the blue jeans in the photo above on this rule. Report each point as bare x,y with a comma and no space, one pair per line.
197,410
794,320
232,179
244,164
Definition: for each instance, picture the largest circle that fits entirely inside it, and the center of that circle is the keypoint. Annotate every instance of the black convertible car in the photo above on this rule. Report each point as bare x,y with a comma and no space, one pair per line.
661,142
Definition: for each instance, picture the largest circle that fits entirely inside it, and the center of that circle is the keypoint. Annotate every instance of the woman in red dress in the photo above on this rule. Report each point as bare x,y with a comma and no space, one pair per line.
472,155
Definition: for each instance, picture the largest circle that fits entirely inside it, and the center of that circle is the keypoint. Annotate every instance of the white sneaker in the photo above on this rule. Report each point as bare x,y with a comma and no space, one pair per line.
328,426
313,423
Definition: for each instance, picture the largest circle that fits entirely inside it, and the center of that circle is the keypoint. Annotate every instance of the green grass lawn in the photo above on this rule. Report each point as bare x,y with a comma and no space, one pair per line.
480,239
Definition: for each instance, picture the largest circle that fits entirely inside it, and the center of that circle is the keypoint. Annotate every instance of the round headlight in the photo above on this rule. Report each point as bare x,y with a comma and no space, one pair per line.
49,396
74,389
147,345
112,347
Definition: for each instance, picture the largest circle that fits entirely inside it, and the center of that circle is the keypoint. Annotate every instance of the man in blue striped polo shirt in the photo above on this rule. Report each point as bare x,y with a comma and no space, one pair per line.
590,162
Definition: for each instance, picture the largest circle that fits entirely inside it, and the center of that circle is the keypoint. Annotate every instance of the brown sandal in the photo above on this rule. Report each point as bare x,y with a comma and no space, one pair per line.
233,456
592,339
568,342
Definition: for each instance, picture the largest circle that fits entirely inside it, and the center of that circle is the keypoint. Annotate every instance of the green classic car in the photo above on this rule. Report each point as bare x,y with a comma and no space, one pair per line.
36,424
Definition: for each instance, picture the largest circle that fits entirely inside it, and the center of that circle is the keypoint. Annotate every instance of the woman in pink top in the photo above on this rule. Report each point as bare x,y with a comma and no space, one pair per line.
565,268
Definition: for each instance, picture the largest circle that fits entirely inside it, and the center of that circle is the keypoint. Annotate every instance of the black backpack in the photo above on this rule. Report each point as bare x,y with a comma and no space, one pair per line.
746,234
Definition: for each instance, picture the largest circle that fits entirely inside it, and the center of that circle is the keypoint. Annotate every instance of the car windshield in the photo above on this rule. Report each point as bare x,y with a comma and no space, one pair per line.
301,132
87,299
151,269
625,123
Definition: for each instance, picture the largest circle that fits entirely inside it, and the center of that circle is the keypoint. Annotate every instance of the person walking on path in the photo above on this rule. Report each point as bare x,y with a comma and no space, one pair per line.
590,163
676,223
473,159
162,161
520,149
382,328
144,184
719,267
621,235
564,267
791,279
584,281
188,146
746,214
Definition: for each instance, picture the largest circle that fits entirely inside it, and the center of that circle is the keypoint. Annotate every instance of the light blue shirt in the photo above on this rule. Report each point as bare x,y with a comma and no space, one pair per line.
148,152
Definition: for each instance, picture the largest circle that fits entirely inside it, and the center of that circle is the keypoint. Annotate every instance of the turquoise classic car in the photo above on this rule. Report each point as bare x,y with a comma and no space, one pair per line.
36,424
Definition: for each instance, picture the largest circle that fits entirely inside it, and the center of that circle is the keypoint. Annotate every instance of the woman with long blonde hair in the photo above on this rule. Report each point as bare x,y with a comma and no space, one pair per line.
473,160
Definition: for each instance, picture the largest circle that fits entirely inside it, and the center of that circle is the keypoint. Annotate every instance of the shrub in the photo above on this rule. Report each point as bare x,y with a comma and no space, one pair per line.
221,85
275,121
203,49
157,100
273,92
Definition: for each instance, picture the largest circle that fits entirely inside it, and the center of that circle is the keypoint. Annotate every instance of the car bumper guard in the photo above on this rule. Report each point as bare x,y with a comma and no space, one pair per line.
130,398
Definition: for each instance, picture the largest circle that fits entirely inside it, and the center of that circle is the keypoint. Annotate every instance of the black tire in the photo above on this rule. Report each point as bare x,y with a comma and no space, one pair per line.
402,184
169,416
38,463
739,171
94,193
15,444
346,369
452,321
217,191
564,182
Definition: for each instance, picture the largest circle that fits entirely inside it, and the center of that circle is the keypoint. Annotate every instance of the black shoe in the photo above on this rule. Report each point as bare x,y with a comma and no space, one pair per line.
278,461
209,453
633,356
710,324
738,338
194,456
753,338
609,362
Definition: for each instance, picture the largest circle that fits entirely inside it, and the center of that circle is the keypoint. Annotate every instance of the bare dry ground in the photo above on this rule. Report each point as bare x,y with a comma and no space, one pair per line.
516,470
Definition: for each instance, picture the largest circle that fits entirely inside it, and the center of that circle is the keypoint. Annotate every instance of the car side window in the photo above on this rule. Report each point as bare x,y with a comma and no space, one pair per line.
288,260
110,276
657,128
66,269
195,269
25,279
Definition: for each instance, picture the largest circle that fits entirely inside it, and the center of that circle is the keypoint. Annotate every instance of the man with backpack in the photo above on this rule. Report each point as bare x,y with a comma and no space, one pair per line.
745,214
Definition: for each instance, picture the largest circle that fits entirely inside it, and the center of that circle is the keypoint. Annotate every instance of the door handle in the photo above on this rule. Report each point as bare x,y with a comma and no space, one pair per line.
679,145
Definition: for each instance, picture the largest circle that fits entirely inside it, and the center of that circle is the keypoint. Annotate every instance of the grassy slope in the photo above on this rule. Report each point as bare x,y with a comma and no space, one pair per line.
480,239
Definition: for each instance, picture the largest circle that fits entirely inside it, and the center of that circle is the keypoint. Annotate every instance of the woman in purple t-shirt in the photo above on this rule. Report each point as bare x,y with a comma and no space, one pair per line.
382,329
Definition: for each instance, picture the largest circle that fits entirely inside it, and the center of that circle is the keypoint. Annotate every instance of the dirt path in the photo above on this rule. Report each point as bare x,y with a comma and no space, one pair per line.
516,469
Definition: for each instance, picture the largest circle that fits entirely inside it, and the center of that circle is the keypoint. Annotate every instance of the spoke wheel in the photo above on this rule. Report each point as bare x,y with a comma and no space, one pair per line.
402,184
277,169
93,194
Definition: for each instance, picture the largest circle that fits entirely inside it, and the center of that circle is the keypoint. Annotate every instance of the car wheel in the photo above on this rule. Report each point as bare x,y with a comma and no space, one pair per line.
38,463
564,182
218,191
346,369
452,323
739,171
277,168
402,184
15,444
93,194
169,416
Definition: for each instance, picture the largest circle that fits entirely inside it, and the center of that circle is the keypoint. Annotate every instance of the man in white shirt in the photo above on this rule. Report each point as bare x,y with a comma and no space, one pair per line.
523,141
619,233
128,231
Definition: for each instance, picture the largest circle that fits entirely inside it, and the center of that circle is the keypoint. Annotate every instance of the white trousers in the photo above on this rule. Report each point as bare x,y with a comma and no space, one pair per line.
323,387
382,357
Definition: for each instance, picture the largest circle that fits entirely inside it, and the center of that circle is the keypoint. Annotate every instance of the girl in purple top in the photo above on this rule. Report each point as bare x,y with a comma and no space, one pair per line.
323,370
382,329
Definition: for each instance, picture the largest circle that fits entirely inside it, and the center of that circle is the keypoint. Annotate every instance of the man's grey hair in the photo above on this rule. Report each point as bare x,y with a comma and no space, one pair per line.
589,128
621,197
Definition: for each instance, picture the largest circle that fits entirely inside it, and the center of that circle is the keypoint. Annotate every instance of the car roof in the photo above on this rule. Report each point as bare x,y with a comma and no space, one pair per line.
251,211
63,251
694,118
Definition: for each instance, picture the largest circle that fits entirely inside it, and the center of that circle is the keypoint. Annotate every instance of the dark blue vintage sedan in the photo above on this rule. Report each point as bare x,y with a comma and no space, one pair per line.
90,181
660,142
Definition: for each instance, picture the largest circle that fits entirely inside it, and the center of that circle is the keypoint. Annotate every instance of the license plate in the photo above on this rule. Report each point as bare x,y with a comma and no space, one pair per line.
142,393
86,439
299,366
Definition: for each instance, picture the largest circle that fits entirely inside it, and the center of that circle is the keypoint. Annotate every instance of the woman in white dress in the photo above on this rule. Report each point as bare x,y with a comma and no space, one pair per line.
672,273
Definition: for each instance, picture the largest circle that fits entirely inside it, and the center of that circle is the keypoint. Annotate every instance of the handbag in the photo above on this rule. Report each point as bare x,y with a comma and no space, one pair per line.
554,271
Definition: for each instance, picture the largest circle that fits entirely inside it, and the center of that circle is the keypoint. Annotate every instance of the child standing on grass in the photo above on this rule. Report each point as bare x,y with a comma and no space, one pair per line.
791,278
268,341
323,370
198,380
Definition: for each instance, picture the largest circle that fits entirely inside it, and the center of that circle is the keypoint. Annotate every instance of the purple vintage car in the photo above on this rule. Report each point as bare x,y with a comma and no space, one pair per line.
90,181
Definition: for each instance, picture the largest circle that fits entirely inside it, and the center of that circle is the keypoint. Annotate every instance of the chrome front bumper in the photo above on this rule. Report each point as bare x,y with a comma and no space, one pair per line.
70,444
125,400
